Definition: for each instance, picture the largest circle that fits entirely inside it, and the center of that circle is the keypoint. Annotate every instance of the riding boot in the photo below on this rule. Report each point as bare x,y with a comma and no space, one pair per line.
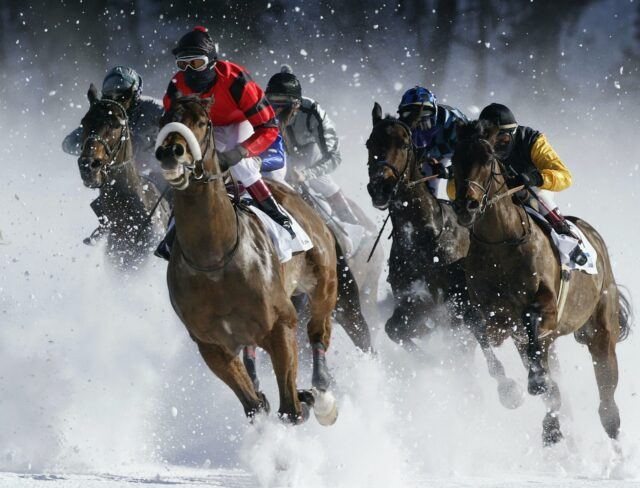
341,207
561,226
164,248
264,200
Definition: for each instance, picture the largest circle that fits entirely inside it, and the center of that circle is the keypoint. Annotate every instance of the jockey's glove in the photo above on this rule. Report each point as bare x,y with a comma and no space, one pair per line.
441,170
231,157
529,179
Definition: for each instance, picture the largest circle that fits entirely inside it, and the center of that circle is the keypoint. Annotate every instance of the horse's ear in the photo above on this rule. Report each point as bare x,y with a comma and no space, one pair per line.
92,94
376,113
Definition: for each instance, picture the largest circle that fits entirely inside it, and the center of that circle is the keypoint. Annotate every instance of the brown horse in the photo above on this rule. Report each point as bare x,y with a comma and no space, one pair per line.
426,265
226,282
131,211
514,278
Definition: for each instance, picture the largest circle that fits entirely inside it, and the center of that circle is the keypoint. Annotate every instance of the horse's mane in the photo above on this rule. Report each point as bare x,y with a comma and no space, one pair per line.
476,129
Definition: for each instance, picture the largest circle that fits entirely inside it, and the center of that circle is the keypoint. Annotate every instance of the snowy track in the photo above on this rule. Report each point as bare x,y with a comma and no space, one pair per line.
182,478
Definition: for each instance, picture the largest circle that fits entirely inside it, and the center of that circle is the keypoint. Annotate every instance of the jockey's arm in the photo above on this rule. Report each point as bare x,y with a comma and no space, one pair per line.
72,143
555,175
329,144
255,107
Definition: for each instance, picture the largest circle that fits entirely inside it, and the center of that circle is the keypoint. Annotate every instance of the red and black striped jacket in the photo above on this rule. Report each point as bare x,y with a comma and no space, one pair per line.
236,97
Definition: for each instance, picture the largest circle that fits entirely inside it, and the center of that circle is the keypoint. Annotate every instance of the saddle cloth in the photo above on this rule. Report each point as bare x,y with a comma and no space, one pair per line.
565,244
285,246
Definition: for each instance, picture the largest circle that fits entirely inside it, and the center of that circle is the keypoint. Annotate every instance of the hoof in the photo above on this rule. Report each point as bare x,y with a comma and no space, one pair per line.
295,418
325,407
538,382
551,433
510,394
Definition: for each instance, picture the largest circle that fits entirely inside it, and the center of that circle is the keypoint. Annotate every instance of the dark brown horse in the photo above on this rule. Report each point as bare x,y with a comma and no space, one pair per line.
226,282
514,278
131,210
426,265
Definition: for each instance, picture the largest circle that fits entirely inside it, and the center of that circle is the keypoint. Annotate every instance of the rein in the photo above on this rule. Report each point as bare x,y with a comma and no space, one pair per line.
487,202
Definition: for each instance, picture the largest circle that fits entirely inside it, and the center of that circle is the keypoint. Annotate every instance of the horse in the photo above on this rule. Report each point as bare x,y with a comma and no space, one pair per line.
226,282
428,251
357,303
514,278
131,211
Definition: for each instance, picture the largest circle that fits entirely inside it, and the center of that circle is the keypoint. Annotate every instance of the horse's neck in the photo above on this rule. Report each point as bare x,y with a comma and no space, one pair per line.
416,205
501,222
205,223
122,187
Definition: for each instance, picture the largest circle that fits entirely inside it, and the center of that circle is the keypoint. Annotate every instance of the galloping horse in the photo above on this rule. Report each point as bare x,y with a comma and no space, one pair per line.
426,265
514,278
132,212
225,280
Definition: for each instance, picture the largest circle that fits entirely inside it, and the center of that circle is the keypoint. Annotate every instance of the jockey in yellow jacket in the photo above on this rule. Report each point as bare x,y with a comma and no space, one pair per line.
530,160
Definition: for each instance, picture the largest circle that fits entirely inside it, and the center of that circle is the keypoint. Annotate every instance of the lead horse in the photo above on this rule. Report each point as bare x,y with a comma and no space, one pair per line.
514,278
132,212
226,282
428,252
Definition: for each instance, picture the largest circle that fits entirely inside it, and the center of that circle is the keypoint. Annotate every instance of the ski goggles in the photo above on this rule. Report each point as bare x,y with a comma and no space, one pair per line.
282,102
196,63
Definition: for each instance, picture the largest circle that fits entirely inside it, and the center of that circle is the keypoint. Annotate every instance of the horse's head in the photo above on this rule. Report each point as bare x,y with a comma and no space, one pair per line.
185,140
105,138
390,149
477,170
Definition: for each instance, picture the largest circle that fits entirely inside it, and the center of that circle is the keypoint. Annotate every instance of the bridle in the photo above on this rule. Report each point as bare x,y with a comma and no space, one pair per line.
384,163
197,172
400,178
497,170
113,152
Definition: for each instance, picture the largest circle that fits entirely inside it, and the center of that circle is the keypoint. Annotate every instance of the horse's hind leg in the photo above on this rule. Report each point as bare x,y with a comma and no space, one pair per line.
282,347
249,360
230,369
602,346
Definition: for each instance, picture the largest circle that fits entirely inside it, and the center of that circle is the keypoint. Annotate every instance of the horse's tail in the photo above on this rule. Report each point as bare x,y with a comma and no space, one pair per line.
348,309
625,313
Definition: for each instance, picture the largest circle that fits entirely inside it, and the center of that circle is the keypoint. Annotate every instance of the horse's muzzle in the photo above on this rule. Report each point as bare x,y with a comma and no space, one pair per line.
90,171
466,211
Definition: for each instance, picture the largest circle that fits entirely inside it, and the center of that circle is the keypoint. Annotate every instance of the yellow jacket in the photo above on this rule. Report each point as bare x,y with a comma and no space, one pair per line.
555,175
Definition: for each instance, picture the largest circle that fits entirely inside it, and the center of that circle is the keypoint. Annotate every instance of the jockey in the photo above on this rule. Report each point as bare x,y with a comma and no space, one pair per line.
433,129
124,85
530,161
310,139
237,99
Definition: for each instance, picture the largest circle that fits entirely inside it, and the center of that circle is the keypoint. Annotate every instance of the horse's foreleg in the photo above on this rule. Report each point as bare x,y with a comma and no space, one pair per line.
249,360
510,394
407,322
540,316
230,369
282,347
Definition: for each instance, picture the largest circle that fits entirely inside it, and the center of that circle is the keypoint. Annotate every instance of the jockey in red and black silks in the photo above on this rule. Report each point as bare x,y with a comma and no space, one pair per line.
239,106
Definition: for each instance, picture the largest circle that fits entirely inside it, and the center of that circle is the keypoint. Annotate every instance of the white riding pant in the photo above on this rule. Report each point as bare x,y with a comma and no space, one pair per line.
324,185
247,171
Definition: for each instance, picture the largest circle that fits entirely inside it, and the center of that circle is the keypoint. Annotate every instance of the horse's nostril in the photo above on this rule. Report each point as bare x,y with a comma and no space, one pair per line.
178,150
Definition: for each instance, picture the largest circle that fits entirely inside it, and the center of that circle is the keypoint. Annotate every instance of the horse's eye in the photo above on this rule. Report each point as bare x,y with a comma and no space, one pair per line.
202,125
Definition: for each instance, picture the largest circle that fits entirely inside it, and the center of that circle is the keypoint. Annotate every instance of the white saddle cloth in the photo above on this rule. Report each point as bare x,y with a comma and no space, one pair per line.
565,244
285,246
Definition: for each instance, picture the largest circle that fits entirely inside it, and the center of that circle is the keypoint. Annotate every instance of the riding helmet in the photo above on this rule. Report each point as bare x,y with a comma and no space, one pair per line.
500,115
195,43
285,83
119,80
419,99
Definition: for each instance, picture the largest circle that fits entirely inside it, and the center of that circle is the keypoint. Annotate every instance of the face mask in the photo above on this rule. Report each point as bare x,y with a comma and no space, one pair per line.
200,81
504,144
